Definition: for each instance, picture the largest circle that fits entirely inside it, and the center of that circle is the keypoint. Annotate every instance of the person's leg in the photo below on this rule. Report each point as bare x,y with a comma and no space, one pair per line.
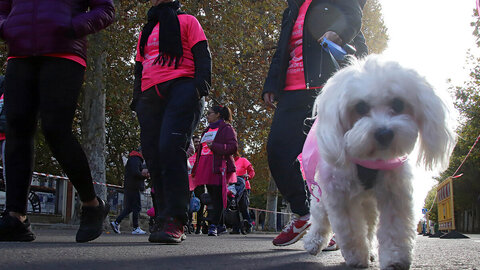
181,113
243,206
127,206
60,82
150,109
136,208
285,143
215,214
198,192
21,105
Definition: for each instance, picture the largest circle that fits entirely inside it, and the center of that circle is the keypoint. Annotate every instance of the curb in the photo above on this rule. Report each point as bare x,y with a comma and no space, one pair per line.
54,226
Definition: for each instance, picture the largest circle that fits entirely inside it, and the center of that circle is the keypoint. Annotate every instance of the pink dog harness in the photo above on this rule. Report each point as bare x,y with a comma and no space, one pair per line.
310,158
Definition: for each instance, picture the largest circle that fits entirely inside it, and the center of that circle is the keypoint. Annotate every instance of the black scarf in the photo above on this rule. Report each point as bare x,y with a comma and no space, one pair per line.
169,38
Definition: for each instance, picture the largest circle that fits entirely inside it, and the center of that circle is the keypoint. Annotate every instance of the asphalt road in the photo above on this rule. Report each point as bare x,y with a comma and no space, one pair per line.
56,249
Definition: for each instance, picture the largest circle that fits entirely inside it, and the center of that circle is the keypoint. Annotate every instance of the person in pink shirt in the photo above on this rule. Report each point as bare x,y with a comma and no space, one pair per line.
299,69
214,166
245,173
172,76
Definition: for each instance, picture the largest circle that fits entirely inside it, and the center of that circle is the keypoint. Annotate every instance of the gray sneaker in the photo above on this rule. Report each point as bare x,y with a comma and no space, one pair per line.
115,227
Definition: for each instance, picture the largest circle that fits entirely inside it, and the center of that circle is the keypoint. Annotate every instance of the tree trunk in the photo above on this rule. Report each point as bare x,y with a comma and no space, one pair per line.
272,196
93,117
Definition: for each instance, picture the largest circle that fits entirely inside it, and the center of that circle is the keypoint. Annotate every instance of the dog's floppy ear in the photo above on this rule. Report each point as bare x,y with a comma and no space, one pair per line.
330,131
437,138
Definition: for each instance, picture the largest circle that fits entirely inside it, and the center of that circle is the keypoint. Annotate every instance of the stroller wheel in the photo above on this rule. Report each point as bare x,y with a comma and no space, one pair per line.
247,227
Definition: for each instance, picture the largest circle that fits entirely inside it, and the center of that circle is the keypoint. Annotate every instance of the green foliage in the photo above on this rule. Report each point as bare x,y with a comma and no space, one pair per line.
466,189
122,129
373,27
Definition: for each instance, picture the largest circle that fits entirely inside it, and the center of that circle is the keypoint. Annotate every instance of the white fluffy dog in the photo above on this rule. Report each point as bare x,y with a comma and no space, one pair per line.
371,116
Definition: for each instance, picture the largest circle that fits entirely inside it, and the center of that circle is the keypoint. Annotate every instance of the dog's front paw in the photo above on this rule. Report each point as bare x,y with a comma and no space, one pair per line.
312,244
357,264
397,266
356,258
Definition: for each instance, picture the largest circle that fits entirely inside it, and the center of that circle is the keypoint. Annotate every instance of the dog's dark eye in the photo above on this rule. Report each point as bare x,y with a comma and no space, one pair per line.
362,108
398,105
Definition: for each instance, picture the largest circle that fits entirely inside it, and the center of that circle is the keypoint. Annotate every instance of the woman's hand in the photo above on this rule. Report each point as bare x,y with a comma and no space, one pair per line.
332,36
269,99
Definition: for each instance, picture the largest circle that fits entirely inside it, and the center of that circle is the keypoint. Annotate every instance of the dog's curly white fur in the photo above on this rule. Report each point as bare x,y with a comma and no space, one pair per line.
374,109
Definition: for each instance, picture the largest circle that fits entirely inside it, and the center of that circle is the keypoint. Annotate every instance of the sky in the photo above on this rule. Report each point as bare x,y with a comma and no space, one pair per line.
432,37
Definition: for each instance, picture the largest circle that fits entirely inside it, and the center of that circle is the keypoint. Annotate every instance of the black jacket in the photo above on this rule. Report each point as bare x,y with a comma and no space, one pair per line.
343,17
133,178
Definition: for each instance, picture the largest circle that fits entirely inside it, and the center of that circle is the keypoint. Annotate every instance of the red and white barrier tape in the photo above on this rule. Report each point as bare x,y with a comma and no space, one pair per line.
66,178
51,176
275,212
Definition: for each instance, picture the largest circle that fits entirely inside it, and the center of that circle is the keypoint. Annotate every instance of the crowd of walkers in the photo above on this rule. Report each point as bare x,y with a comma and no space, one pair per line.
44,76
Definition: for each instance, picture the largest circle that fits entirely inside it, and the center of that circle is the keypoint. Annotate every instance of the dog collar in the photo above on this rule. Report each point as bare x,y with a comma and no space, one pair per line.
383,165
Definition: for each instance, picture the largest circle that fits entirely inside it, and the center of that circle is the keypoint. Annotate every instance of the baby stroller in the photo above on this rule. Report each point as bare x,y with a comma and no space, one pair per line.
235,193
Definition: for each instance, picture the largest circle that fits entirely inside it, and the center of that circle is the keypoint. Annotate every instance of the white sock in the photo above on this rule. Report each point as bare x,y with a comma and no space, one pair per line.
306,217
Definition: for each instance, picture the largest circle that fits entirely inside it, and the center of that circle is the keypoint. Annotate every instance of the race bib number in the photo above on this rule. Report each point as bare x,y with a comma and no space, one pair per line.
209,136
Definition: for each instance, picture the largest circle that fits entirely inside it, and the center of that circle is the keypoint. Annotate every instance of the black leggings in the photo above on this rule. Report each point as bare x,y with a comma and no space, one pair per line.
198,193
45,87
285,142
215,215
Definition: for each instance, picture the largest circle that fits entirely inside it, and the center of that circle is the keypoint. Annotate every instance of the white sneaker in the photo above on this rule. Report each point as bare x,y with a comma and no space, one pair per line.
138,231
115,226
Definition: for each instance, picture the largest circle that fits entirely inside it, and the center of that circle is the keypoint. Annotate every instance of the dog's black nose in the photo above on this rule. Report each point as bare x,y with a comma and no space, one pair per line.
384,136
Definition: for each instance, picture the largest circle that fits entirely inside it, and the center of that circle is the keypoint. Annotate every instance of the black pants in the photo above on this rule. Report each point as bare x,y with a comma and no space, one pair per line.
243,204
215,214
198,193
45,87
285,142
167,124
131,204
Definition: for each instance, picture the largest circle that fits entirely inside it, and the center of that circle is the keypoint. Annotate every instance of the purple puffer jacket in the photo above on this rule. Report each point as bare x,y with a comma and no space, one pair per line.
37,27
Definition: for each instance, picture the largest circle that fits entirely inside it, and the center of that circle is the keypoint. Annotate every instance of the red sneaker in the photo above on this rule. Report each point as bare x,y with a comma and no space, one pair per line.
292,232
172,232
332,245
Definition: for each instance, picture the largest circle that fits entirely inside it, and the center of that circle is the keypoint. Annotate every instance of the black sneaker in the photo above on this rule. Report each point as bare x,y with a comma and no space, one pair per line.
91,221
12,229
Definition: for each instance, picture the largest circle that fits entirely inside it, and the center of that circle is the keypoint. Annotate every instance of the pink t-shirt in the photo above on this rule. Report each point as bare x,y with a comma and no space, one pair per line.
191,33
208,137
244,167
295,78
